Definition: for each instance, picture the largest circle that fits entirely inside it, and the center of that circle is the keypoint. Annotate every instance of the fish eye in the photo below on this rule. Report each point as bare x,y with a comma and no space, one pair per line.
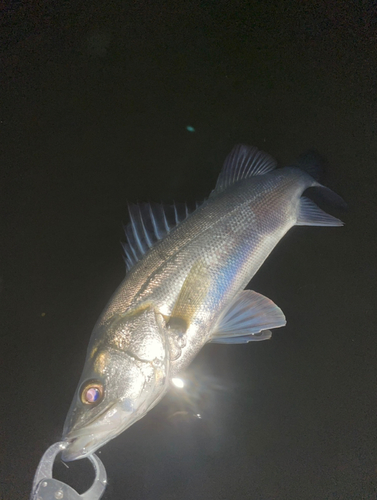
92,393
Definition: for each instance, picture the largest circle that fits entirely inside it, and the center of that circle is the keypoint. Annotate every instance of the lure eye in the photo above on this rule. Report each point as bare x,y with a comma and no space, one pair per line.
92,393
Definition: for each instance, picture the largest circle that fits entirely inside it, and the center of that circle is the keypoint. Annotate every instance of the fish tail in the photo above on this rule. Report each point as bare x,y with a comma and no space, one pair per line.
314,164
328,196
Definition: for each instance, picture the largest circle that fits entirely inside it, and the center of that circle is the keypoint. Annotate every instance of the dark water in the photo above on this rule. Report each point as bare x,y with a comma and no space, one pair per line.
95,102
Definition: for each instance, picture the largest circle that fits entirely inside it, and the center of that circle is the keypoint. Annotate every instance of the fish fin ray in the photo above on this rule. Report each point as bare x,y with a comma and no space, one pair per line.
309,214
243,339
150,223
249,314
241,163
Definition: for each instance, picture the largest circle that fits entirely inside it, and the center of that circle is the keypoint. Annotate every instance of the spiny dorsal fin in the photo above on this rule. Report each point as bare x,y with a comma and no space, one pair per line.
241,163
149,223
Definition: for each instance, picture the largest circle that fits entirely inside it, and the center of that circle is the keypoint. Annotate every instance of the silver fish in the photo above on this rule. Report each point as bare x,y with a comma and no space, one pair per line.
185,287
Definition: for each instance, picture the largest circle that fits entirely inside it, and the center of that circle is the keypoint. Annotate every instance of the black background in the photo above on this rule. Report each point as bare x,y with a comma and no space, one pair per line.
95,100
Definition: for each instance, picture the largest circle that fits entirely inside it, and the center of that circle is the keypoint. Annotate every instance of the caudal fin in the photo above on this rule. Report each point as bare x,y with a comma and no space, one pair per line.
314,164
310,214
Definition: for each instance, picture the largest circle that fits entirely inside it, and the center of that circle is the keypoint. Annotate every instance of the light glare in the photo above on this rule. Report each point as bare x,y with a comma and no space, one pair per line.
178,382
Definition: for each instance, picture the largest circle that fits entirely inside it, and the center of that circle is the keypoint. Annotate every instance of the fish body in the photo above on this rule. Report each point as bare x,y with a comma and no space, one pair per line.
184,288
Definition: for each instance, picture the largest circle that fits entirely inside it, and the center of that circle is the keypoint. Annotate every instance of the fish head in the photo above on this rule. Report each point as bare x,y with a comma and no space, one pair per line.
124,376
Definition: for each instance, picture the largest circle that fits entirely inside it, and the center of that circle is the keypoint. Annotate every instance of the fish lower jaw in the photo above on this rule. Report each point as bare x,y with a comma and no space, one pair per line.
80,446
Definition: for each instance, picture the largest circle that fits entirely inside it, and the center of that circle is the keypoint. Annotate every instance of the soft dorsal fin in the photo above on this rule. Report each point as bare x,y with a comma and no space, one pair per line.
149,223
241,163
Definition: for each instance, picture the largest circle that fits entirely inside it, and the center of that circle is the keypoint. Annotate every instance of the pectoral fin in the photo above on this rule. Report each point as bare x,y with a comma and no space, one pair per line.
247,319
243,339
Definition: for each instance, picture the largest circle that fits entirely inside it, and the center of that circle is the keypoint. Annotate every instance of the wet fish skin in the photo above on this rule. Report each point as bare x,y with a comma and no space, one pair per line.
187,291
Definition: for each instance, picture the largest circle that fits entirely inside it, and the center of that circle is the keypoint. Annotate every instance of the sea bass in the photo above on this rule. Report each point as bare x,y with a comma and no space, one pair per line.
185,286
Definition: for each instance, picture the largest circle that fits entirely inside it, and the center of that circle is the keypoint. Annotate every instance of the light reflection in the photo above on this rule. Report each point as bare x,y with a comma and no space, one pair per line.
178,382
200,408
197,396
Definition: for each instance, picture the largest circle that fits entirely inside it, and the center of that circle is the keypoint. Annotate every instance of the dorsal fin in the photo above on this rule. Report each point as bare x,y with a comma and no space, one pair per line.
149,223
241,163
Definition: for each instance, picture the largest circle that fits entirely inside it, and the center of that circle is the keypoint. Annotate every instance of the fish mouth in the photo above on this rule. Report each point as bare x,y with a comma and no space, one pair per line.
85,441
81,446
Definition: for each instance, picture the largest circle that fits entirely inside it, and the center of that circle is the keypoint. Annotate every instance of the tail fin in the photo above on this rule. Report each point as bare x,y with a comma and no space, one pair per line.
309,214
314,164
327,195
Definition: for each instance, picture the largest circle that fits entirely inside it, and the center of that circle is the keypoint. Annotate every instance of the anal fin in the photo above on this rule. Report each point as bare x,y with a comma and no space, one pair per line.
248,318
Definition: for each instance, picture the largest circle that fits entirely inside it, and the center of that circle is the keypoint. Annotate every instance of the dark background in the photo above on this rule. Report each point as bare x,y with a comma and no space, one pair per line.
95,99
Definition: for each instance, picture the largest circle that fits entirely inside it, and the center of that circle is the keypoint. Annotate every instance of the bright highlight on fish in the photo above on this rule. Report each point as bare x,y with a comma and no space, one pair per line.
178,382
185,286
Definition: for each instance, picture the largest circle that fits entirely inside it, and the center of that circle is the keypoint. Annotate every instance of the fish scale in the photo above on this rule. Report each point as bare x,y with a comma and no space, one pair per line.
204,225
241,212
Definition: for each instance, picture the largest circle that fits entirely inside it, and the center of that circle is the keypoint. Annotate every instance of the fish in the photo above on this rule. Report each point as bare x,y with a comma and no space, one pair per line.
185,286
